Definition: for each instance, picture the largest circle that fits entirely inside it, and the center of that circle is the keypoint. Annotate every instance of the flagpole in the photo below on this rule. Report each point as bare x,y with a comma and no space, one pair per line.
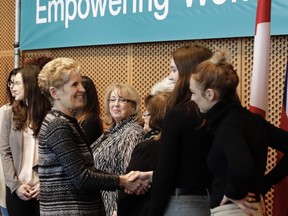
17,34
260,73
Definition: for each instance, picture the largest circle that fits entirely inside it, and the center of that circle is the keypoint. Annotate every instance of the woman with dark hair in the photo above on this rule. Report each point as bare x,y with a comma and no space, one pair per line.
181,180
11,95
19,143
89,115
239,151
40,61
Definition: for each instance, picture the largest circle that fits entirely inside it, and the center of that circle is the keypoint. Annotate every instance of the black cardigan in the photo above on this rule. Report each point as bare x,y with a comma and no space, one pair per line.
239,152
182,156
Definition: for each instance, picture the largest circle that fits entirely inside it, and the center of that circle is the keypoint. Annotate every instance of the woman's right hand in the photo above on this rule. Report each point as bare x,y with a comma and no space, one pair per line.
35,191
246,204
144,176
135,186
23,192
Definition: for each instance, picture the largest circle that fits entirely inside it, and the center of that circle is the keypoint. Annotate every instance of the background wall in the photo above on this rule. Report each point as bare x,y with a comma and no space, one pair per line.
141,65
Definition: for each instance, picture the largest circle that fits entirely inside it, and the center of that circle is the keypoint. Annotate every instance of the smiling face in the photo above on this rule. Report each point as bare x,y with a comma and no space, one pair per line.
18,87
11,85
69,97
119,107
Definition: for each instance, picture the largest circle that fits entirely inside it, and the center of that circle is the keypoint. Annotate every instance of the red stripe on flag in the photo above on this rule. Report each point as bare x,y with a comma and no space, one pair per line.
260,75
263,11
284,120
257,111
280,207
280,198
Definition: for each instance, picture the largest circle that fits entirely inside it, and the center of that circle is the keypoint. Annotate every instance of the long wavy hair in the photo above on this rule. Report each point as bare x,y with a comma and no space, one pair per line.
186,58
30,111
91,101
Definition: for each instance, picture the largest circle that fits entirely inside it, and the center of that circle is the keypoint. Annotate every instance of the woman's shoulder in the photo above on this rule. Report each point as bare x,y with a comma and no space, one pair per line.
6,112
185,112
134,127
183,109
54,120
147,144
5,107
92,116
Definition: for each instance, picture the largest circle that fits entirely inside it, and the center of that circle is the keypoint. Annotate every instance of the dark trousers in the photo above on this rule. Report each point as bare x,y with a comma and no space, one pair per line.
19,207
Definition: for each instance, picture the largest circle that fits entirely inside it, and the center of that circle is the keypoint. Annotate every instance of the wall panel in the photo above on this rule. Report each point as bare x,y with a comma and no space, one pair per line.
141,65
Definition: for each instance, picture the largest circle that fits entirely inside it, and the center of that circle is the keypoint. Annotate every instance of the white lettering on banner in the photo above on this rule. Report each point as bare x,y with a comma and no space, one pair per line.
219,2
117,9
70,9
101,5
86,14
203,2
54,4
38,10
190,2
69,16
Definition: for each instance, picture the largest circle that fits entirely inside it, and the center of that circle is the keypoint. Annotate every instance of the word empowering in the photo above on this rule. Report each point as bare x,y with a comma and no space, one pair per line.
70,9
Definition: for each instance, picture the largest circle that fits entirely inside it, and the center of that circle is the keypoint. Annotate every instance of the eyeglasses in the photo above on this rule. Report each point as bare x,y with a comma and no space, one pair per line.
119,100
146,114
17,83
10,84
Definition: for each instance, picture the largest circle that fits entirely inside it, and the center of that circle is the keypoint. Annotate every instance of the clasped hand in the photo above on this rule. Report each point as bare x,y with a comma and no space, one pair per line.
137,182
25,192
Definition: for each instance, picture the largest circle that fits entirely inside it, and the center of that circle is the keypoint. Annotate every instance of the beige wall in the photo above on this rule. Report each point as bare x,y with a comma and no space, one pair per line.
141,65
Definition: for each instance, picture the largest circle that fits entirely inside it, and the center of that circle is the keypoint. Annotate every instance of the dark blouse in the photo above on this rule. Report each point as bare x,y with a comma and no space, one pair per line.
239,152
183,154
144,158
92,128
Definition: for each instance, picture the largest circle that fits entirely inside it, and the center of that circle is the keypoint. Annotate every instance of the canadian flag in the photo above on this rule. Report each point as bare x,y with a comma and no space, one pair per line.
280,207
260,74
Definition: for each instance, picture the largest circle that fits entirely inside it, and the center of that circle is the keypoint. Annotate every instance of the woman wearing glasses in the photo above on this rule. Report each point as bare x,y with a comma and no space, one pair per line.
19,143
11,95
112,150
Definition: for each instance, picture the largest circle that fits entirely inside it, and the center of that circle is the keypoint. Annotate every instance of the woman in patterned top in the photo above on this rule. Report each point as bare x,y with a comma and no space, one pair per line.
69,183
112,151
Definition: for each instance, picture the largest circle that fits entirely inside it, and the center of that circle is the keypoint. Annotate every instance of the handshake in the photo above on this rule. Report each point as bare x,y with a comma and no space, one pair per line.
136,182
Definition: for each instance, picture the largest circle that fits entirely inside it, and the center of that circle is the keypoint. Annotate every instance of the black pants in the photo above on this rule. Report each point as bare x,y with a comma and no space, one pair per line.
19,207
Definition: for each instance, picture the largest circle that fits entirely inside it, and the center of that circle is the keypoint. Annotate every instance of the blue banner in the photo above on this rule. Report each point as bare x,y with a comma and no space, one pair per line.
66,23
